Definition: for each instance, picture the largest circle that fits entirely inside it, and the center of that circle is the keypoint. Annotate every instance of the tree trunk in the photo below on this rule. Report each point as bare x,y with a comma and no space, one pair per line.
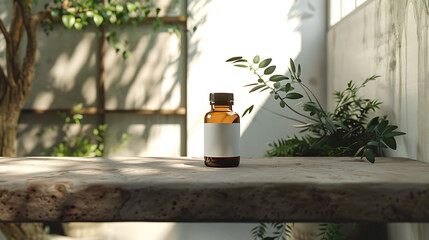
9,114
14,89
11,103
8,122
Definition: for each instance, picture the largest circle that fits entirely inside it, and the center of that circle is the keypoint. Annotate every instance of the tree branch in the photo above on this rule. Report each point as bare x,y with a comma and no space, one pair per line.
40,16
16,24
9,52
28,66
5,33
16,30
2,74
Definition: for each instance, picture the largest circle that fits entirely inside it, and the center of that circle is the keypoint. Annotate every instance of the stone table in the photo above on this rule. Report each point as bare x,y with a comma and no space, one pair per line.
297,189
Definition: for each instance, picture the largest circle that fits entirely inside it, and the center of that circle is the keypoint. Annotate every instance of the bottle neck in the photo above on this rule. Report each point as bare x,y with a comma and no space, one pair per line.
221,108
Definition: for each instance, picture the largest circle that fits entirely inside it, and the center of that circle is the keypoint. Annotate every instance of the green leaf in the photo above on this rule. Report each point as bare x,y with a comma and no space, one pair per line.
256,88
293,95
292,65
240,60
260,80
299,70
256,59
282,104
119,8
372,143
341,125
276,78
241,65
265,63
330,125
68,21
126,54
390,142
393,134
72,11
98,20
77,116
248,110
55,13
277,85
266,88
276,96
112,19
138,5
311,107
269,70
381,126
372,124
131,7
287,87
388,129
78,26
89,14
233,59
252,84
369,155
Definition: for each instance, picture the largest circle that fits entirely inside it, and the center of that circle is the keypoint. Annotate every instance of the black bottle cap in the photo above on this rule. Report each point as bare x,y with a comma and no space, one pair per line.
222,98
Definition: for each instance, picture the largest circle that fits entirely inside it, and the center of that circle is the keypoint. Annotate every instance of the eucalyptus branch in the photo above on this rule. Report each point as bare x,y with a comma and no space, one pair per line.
260,76
282,99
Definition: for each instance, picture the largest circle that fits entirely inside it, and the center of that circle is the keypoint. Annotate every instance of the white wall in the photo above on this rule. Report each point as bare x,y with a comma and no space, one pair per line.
275,29
388,38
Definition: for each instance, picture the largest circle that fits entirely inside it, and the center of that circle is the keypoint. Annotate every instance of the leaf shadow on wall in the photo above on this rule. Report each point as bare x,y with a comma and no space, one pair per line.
67,74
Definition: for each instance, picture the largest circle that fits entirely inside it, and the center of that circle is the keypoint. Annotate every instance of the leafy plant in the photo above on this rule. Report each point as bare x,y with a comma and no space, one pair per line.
80,145
279,231
329,231
80,14
344,132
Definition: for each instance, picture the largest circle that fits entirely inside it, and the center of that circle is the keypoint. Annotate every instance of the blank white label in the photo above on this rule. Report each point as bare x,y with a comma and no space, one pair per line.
221,139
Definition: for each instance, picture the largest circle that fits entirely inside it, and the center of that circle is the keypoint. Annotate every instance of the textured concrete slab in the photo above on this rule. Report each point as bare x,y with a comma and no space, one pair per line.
183,189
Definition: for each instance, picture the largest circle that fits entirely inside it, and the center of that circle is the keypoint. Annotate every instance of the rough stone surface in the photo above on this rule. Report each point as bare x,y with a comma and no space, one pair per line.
182,189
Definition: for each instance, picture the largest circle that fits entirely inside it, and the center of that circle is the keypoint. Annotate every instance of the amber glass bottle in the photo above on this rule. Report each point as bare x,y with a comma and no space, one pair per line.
221,132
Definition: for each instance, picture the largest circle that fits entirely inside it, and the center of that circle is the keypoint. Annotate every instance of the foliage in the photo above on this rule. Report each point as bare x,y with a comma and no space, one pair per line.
329,231
345,132
80,145
279,231
79,14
